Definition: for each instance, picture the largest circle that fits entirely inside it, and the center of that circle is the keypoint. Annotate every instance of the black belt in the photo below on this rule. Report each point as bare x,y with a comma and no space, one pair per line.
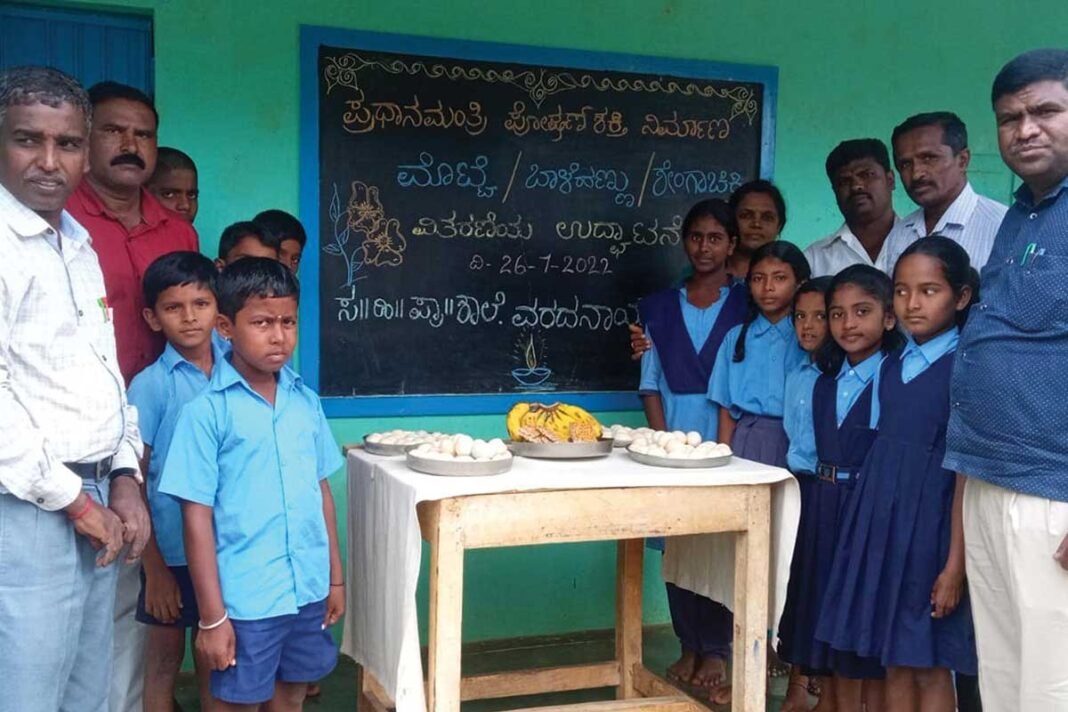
95,471
834,475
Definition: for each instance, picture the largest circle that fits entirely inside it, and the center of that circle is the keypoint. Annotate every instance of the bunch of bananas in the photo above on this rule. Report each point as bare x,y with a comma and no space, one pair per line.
552,423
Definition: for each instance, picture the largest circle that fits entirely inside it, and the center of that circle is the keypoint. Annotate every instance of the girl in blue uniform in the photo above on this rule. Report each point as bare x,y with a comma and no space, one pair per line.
687,326
810,324
896,589
862,325
749,377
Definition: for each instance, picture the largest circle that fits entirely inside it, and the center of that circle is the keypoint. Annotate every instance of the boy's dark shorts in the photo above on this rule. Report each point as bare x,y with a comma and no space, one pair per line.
188,614
290,648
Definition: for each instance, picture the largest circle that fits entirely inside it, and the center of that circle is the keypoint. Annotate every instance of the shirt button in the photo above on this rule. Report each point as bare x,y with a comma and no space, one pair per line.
81,313
40,500
1032,216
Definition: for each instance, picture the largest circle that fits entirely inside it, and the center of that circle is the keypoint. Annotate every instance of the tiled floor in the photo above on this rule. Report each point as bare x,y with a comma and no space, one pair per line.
660,650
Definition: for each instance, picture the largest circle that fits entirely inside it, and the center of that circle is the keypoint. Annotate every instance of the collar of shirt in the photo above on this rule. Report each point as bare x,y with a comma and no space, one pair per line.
957,214
916,358
863,371
26,223
844,236
226,376
153,213
1024,197
783,327
171,359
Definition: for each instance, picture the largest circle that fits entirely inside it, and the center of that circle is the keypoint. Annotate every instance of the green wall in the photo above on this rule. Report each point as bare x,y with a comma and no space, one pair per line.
227,87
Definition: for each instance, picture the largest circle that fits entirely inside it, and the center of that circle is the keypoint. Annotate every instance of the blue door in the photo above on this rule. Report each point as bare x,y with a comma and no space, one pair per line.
91,46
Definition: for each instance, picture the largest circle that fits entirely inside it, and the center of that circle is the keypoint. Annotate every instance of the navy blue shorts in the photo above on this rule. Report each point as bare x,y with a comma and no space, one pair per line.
188,614
291,648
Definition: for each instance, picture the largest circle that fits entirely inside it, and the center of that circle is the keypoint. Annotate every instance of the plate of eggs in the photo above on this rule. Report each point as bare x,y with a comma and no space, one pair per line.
460,456
397,442
678,449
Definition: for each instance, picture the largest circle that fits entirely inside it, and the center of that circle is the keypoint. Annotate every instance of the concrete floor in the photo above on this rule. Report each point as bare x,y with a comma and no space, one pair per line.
660,650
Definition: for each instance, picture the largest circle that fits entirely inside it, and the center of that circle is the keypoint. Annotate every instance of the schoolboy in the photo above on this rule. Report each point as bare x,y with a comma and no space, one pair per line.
287,231
249,460
180,298
174,182
245,239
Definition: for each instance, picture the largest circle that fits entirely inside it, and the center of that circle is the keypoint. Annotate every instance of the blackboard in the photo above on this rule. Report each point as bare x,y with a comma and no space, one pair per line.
488,216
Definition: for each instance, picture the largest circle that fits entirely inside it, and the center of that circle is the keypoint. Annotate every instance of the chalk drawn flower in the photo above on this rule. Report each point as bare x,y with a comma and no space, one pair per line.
385,246
365,209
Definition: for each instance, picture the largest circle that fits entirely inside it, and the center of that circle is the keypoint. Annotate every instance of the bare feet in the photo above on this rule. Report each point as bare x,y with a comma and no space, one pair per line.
682,669
711,673
721,695
796,697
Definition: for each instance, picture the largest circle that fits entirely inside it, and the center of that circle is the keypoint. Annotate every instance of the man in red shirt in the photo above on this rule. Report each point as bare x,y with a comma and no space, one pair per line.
129,230
129,227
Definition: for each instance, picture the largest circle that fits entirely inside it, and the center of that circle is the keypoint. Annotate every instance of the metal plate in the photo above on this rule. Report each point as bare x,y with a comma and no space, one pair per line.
561,451
386,450
451,468
680,464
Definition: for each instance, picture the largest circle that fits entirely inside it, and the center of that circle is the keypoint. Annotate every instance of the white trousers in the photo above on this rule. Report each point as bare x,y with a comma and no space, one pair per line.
128,674
1019,598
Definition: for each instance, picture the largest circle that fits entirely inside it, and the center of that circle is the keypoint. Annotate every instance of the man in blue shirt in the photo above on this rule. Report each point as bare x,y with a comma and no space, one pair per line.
1009,405
249,459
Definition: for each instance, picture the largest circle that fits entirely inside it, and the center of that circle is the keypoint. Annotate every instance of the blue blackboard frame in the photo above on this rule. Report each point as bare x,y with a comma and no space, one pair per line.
312,37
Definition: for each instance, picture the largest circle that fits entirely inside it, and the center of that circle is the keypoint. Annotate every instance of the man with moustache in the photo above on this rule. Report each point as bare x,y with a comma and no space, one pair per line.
69,444
863,184
931,156
1008,405
129,229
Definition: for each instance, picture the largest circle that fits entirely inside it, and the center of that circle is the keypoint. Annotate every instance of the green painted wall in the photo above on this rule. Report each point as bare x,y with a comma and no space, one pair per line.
227,87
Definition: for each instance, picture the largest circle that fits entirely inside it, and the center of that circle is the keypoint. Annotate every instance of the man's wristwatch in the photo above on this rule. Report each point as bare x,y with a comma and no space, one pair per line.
127,472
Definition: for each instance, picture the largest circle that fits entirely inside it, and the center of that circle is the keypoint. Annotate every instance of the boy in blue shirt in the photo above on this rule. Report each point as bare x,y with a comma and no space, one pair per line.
249,460
179,291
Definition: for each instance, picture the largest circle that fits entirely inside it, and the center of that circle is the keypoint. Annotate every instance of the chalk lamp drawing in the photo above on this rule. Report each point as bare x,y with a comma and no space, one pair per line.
531,376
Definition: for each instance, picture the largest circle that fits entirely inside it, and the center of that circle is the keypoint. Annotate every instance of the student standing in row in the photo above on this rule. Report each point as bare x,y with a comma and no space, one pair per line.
687,326
896,590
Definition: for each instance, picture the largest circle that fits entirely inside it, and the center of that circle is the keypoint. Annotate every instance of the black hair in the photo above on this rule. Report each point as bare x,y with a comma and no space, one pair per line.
171,159
253,277
956,267
281,225
874,282
855,150
102,92
233,234
816,285
1038,65
762,187
954,132
23,86
713,208
177,269
789,253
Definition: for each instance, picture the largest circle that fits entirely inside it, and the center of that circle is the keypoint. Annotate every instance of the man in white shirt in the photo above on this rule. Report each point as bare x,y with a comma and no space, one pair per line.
863,184
931,156
69,492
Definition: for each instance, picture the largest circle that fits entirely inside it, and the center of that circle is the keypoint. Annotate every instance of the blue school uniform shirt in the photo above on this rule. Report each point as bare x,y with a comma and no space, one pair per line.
756,384
259,467
685,411
1007,397
851,382
158,393
797,417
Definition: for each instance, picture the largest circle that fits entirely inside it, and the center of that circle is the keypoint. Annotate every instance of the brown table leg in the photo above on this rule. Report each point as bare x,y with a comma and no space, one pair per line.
446,609
751,555
629,614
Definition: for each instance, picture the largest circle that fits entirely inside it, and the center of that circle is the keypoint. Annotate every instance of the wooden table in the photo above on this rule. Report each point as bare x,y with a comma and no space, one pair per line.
627,515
